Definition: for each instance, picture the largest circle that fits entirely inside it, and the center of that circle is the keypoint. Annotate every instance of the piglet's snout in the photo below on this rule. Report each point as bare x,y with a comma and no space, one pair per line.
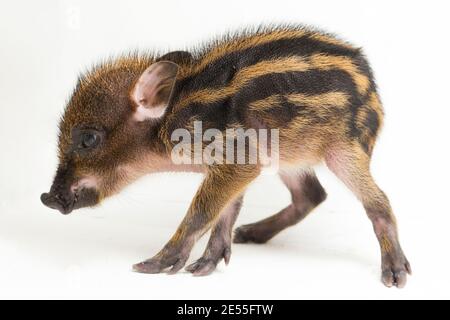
62,203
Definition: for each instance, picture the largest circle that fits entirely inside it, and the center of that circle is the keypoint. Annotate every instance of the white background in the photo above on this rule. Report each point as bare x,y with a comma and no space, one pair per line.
332,254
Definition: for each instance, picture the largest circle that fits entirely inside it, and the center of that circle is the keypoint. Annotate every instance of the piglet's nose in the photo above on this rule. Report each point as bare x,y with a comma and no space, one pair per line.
56,202
46,198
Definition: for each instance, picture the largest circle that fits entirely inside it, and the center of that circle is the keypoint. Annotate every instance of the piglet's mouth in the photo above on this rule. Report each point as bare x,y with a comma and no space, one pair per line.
65,204
74,199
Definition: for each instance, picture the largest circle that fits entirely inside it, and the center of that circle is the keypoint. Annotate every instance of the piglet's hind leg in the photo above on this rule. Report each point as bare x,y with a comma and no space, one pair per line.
351,165
306,192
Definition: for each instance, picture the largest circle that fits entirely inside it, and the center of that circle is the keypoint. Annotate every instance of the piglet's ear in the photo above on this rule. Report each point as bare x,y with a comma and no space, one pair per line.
152,91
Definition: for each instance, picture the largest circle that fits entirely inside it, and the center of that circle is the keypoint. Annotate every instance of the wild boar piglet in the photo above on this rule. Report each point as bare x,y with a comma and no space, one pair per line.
313,95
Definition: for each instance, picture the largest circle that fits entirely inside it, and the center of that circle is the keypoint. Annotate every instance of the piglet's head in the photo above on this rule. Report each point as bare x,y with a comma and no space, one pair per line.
108,131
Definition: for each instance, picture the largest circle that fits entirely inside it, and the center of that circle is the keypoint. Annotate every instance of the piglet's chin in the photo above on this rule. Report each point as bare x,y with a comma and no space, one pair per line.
87,197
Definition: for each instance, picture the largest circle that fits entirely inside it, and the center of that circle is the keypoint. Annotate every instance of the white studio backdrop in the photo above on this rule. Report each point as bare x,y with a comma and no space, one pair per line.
44,45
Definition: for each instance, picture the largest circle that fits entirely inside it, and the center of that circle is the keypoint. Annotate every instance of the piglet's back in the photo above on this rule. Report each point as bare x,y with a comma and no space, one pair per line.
310,84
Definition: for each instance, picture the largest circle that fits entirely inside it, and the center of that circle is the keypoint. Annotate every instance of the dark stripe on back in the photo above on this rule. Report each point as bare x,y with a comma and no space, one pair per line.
234,109
372,122
222,70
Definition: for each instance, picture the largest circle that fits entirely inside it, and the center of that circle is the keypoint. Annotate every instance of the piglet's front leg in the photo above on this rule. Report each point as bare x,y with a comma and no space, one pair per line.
219,244
221,185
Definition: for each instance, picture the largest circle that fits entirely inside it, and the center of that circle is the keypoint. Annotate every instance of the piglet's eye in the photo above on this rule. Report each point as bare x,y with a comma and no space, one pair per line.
89,140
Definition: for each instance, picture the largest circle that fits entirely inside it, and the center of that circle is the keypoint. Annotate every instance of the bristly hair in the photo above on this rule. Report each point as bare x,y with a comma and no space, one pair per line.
136,59
145,57
238,34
